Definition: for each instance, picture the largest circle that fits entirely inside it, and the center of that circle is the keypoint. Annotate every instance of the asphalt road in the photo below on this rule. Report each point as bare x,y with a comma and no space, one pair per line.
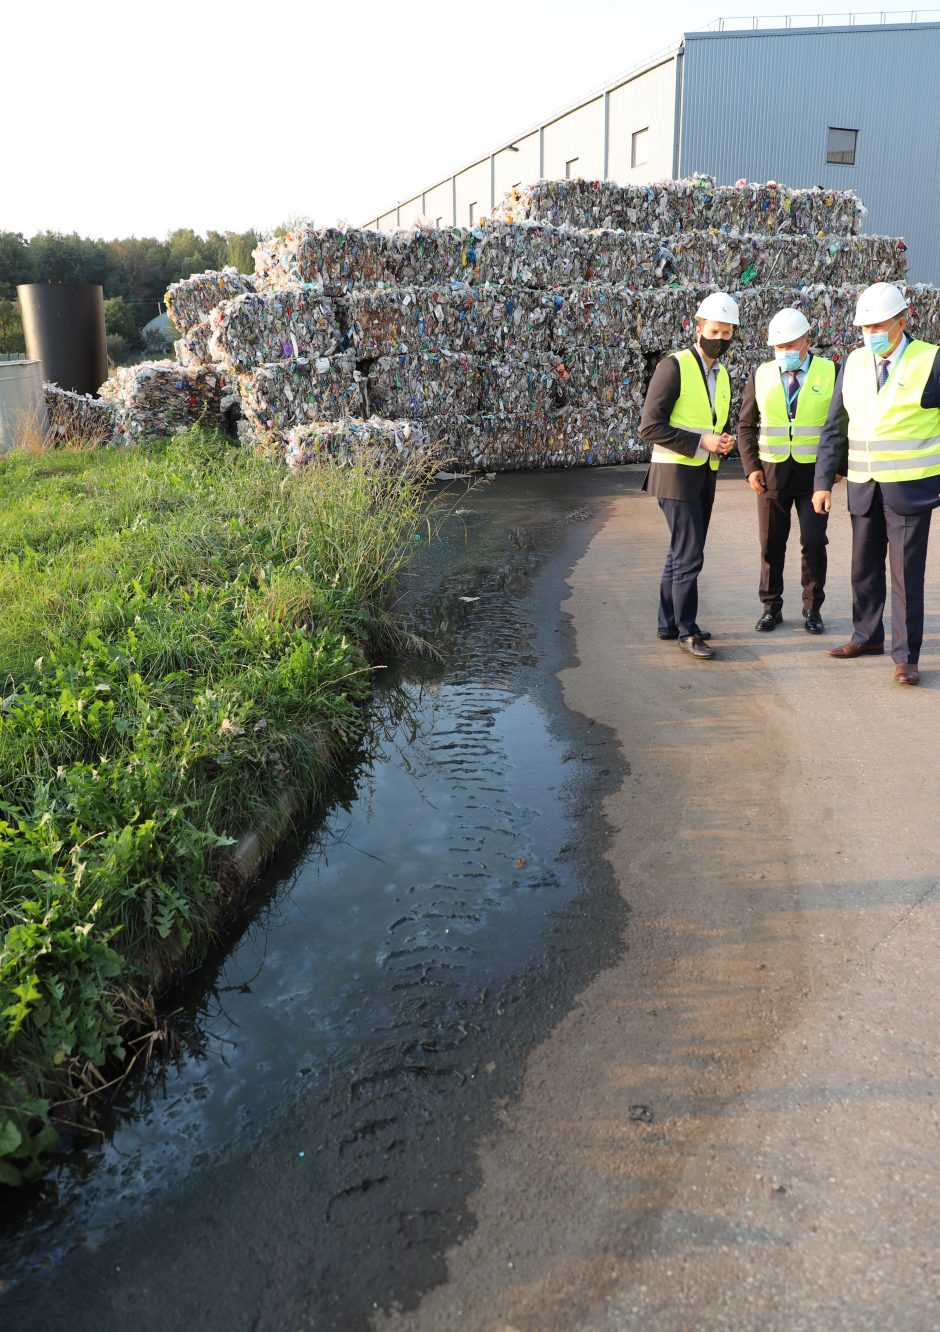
736,1126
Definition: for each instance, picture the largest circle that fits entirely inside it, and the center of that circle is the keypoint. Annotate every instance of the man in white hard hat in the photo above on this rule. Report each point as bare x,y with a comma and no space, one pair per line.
684,418
883,433
784,407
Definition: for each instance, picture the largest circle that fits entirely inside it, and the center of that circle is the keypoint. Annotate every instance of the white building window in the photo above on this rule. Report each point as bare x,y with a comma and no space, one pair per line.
437,222
639,148
570,173
840,146
472,214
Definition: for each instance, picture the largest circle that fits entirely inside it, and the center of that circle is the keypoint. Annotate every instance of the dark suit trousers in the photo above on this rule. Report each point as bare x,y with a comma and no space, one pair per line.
773,525
678,591
903,538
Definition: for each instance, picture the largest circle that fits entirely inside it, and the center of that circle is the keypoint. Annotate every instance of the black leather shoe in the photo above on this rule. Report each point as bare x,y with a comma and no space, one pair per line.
696,646
812,622
768,621
673,633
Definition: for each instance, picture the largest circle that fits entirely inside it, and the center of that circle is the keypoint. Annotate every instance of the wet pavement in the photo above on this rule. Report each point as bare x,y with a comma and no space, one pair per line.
308,1159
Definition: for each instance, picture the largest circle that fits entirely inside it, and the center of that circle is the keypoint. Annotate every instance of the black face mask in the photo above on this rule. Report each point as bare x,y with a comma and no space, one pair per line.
714,347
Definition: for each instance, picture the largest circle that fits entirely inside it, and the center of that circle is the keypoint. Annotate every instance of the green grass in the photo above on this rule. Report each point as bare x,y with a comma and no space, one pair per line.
184,634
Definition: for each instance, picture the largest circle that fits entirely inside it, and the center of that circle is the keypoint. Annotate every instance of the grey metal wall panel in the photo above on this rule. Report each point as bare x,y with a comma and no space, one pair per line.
521,167
439,203
578,134
648,101
473,188
759,105
410,211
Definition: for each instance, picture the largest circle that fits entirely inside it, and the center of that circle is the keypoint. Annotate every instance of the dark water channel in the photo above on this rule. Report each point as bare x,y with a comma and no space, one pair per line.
309,1157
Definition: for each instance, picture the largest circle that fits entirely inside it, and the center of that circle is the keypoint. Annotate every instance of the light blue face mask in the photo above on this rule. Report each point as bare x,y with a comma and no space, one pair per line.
877,342
789,360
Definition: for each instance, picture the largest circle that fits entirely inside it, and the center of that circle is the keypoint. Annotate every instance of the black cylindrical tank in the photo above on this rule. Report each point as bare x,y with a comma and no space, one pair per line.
64,327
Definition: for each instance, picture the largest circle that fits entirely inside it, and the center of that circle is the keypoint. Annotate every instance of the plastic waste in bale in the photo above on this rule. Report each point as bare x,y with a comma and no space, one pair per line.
331,260
694,204
158,398
343,441
79,416
263,327
191,300
278,396
193,347
424,384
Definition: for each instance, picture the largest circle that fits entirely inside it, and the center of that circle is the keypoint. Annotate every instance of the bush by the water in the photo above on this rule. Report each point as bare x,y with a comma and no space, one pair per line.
183,638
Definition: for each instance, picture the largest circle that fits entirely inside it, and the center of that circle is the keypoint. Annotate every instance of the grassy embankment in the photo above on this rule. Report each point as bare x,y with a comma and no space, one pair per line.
183,637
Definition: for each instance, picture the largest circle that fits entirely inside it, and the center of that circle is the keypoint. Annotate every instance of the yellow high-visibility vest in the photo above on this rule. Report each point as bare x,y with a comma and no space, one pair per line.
693,410
891,437
780,438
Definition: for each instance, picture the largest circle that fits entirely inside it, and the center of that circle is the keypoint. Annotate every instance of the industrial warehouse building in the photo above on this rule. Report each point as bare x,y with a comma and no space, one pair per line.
845,107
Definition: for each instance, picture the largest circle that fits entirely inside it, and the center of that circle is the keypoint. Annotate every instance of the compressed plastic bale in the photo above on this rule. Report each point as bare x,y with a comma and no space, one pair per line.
570,437
427,256
695,204
193,347
530,254
477,320
79,416
425,384
191,301
261,327
382,441
733,261
924,305
158,398
595,314
580,377
537,254
328,259
279,396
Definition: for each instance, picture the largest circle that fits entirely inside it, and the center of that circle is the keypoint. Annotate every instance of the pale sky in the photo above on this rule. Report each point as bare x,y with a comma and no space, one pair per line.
125,119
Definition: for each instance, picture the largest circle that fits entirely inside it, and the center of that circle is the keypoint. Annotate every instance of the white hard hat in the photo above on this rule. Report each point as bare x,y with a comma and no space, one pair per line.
786,326
719,306
878,302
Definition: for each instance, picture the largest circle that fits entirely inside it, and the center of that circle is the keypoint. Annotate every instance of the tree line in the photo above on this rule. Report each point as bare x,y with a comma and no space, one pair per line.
134,271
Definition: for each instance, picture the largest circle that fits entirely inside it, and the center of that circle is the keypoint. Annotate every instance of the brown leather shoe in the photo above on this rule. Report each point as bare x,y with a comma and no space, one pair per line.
906,673
853,649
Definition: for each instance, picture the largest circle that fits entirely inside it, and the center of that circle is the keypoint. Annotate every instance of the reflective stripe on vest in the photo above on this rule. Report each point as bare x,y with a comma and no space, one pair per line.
780,438
891,437
693,410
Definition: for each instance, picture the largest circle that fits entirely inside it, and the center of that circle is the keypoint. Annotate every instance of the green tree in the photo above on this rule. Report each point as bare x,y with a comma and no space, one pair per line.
137,270
11,329
56,257
14,263
239,245
188,254
119,319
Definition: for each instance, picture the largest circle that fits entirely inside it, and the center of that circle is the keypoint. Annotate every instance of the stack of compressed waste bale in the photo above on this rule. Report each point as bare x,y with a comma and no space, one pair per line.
539,254
696,204
78,417
160,398
528,340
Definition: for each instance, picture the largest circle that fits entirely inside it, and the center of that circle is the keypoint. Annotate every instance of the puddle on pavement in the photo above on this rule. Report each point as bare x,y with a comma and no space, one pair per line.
393,933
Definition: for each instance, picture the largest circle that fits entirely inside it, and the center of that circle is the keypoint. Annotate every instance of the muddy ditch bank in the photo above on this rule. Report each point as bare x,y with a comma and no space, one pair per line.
307,1159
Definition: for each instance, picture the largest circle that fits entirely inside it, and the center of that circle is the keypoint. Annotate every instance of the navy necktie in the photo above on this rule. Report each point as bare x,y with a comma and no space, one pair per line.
883,371
793,389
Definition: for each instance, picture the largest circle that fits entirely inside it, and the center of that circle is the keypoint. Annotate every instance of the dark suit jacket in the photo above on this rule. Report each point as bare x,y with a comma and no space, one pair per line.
664,480
832,459
783,478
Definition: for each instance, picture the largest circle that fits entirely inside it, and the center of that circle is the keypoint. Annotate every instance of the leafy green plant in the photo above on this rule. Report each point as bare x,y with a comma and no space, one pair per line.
185,636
